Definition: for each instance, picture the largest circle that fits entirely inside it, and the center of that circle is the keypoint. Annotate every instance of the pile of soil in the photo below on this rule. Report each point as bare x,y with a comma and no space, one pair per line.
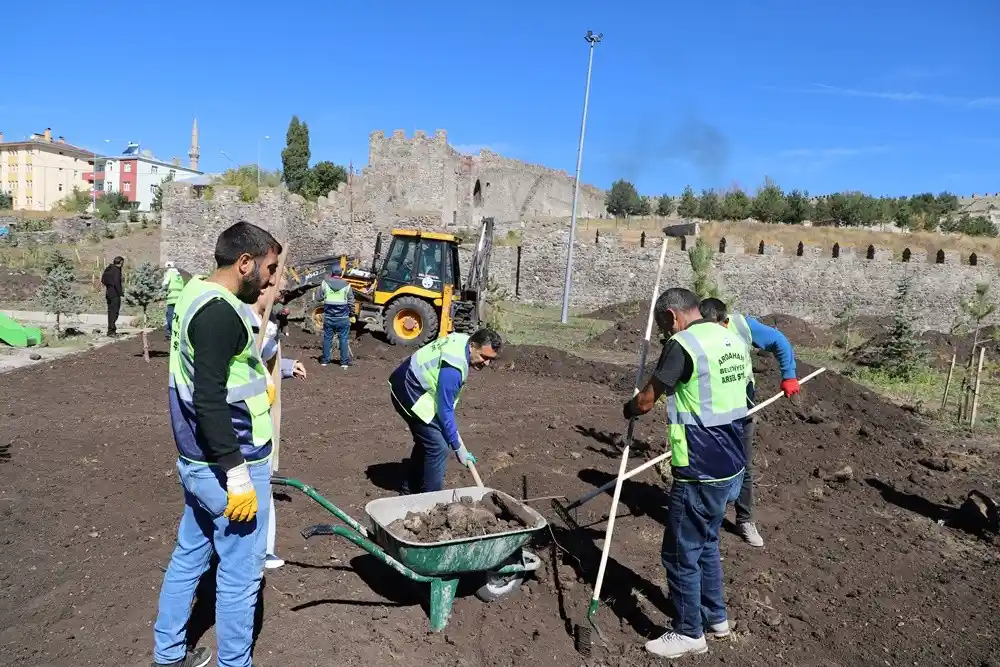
464,518
797,331
619,311
17,286
626,335
547,362
940,347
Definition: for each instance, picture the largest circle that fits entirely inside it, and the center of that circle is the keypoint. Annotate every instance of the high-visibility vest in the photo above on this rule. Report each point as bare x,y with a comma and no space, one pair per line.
335,297
738,324
425,367
246,384
715,394
174,286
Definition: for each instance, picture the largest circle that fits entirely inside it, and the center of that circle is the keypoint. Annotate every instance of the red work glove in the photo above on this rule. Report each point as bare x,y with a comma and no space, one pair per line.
790,386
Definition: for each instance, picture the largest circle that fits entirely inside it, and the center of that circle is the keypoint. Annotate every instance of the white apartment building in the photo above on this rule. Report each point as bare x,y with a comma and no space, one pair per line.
137,174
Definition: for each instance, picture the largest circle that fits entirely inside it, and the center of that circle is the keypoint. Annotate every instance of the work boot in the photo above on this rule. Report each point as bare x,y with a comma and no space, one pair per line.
748,531
199,657
673,645
719,630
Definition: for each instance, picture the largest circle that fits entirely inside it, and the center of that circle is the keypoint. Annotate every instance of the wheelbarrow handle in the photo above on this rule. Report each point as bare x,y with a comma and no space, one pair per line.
319,529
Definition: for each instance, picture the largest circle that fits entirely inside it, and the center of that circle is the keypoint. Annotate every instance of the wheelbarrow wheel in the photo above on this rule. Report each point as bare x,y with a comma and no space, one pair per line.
498,586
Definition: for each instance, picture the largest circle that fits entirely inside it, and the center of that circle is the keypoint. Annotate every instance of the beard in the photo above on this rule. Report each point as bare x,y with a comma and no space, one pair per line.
250,288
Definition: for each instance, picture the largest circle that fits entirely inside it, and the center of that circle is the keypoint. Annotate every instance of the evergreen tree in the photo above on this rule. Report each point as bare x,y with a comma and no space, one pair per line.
688,205
769,205
295,156
143,288
903,354
700,257
709,207
735,206
322,179
57,295
664,205
623,199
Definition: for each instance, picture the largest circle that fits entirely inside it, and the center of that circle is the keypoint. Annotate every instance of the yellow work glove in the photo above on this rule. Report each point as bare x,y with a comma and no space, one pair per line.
242,505
271,393
353,320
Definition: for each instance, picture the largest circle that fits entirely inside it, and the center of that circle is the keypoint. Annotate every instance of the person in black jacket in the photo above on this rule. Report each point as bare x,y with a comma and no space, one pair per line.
112,281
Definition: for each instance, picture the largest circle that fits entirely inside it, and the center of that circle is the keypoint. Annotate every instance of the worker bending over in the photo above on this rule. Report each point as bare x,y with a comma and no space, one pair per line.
172,283
703,370
338,315
290,368
220,414
761,336
425,389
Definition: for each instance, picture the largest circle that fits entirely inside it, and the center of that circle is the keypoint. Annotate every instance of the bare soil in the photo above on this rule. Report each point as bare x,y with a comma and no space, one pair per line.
881,566
459,520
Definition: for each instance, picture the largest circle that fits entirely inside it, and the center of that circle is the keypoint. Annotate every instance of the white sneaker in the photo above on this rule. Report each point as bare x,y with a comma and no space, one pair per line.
748,531
673,645
719,630
272,562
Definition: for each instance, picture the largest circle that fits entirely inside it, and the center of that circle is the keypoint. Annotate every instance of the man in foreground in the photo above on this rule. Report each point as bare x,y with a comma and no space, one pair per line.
758,335
113,292
424,391
703,371
338,312
220,414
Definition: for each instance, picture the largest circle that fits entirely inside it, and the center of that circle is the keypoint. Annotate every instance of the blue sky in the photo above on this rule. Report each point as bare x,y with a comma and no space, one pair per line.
886,97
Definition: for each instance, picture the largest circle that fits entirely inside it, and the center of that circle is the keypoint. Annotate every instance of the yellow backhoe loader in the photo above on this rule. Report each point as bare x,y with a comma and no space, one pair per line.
414,294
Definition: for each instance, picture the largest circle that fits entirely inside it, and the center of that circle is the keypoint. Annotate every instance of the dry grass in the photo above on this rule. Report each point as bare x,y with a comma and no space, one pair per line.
789,236
24,214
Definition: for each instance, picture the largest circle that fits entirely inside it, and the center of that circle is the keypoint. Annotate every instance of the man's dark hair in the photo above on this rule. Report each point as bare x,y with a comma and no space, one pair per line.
713,310
676,298
118,261
485,337
243,238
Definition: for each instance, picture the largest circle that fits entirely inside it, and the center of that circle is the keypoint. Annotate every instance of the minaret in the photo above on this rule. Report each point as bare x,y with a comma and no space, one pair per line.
194,153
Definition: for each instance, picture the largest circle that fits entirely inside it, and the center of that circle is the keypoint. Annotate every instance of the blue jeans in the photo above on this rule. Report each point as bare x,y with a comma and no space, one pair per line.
170,318
341,326
429,457
690,552
240,546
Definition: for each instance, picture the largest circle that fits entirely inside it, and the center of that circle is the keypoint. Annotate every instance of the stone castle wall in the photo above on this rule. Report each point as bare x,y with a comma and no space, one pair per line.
810,282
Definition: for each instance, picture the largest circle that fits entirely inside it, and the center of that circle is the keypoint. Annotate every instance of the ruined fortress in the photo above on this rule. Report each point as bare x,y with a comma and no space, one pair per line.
424,182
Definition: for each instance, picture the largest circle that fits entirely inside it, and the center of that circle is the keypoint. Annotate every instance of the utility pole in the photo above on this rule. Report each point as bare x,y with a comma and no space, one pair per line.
593,40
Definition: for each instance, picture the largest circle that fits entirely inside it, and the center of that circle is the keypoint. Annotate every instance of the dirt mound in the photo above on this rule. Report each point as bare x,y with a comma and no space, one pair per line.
552,363
619,311
17,286
626,335
940,347
461,519
796,330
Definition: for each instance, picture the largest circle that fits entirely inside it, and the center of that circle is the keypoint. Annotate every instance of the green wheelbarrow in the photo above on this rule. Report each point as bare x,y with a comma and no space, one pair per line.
498,560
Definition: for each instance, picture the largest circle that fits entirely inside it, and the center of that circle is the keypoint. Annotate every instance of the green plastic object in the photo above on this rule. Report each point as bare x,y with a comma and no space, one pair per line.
16,334
439,564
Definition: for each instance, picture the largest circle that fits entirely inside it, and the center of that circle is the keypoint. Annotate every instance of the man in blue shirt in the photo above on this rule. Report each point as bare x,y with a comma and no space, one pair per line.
424,391
762,337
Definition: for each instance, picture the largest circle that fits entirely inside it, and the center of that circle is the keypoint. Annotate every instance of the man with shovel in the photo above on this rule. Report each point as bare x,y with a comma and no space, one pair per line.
755,334
424,391
703,370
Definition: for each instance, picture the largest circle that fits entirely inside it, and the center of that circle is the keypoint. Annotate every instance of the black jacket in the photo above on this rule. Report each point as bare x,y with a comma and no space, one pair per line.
112,280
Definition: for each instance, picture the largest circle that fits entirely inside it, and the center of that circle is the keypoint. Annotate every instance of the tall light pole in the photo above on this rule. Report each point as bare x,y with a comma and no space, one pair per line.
593,40
258,159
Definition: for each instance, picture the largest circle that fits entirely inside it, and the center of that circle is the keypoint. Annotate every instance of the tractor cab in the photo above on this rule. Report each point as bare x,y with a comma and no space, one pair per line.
421,260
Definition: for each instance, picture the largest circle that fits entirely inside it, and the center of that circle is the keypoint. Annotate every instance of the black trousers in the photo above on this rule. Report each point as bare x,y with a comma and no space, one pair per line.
114,307
744,504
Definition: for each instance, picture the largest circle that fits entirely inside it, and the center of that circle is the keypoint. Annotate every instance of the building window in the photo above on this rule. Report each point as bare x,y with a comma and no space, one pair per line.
128,167
152,189
60,187
172,173
127,187
153,169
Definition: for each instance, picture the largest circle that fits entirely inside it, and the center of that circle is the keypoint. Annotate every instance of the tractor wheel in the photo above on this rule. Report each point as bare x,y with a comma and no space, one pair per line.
317,318
411,322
